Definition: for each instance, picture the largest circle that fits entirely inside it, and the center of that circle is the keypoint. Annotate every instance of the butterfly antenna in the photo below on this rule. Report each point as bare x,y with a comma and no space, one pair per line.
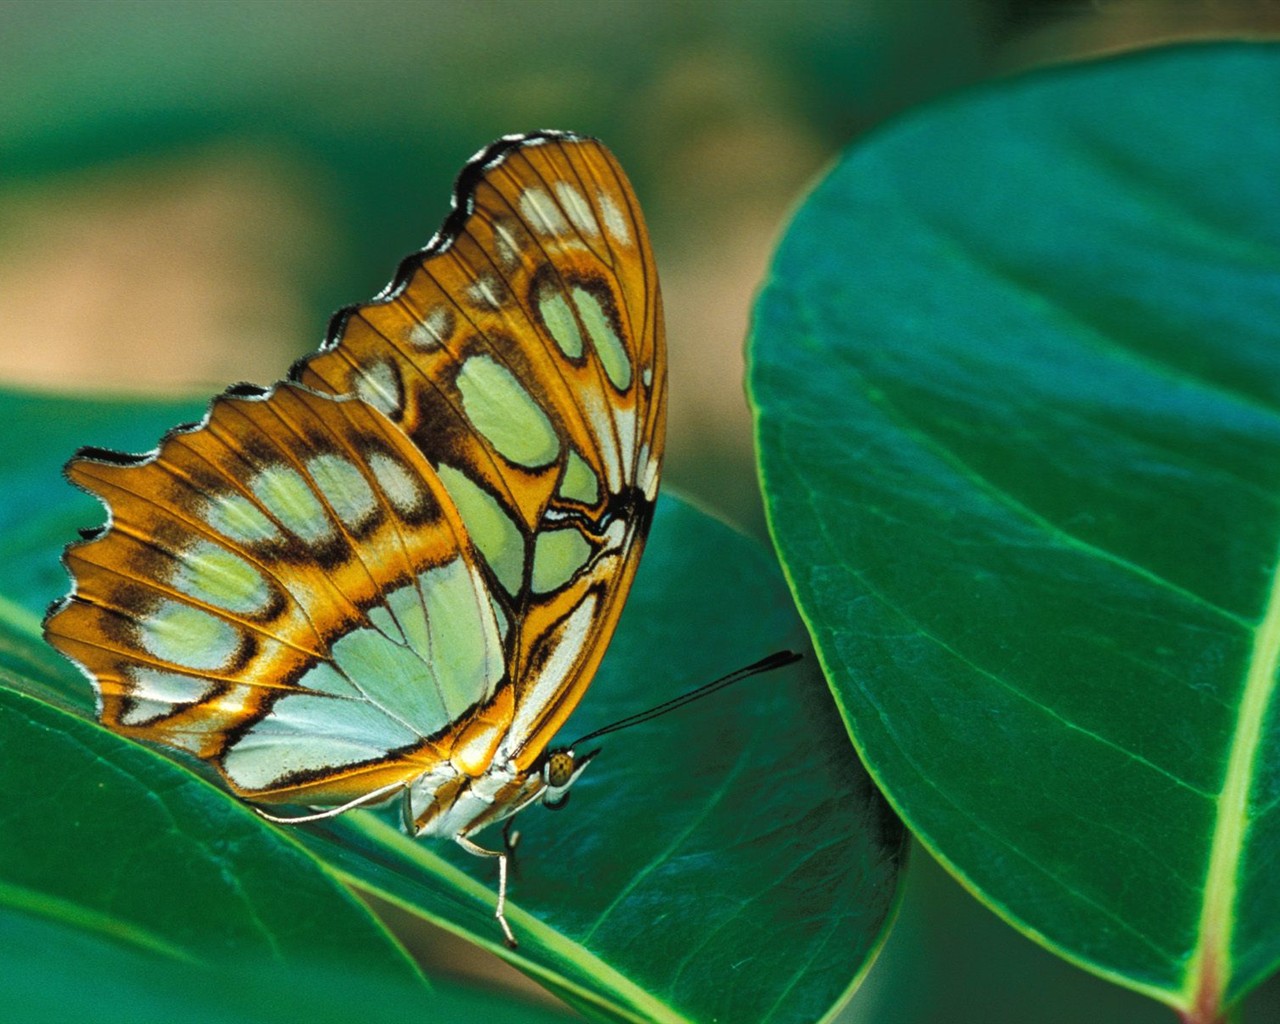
776,660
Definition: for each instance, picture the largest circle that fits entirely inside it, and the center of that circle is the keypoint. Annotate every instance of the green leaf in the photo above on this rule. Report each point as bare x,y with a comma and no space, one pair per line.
1017,377
94,979
730,840
122,845
733,839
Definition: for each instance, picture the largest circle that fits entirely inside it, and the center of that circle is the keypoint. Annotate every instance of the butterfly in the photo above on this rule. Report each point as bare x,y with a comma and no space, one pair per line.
395,573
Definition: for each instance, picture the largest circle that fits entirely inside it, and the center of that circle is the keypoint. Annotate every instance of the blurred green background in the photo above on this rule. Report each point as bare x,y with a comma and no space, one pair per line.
189,189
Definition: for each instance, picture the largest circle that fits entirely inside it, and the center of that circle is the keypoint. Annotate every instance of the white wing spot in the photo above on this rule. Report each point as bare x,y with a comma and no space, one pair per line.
649,482
379,386
615,535
398,485
573,634
434,329
578,209
614,219
603,428
541,213
486,291
625,422
507,244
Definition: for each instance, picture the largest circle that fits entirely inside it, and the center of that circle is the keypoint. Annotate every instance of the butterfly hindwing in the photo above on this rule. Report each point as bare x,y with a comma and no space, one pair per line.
286,591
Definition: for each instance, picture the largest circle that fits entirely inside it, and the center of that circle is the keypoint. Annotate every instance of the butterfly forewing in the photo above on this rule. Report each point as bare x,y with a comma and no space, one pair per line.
406,565
523,352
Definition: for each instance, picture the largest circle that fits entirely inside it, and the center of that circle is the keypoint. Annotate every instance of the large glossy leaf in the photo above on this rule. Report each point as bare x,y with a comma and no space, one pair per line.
55,973
1017,376
727,862
734,839
124,848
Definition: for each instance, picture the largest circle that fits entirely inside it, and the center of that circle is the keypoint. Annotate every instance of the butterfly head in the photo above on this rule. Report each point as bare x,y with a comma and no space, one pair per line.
560,771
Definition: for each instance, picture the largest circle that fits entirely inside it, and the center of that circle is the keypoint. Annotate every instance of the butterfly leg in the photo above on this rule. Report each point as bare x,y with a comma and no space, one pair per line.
510,838
501,912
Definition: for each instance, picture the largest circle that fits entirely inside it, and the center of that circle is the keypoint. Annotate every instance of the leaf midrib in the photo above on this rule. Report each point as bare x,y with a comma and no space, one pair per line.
1209,969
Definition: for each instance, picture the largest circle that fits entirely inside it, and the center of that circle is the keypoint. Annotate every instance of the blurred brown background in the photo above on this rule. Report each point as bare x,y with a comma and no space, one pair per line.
188,189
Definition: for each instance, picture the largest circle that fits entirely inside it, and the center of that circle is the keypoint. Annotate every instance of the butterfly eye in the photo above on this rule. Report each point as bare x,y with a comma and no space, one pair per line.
561,771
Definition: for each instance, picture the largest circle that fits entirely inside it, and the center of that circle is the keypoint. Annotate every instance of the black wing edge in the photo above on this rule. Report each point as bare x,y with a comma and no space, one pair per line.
461,205
242,391
460,208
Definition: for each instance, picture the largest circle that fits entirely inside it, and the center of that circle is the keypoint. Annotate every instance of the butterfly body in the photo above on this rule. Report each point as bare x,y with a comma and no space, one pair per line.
396,573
